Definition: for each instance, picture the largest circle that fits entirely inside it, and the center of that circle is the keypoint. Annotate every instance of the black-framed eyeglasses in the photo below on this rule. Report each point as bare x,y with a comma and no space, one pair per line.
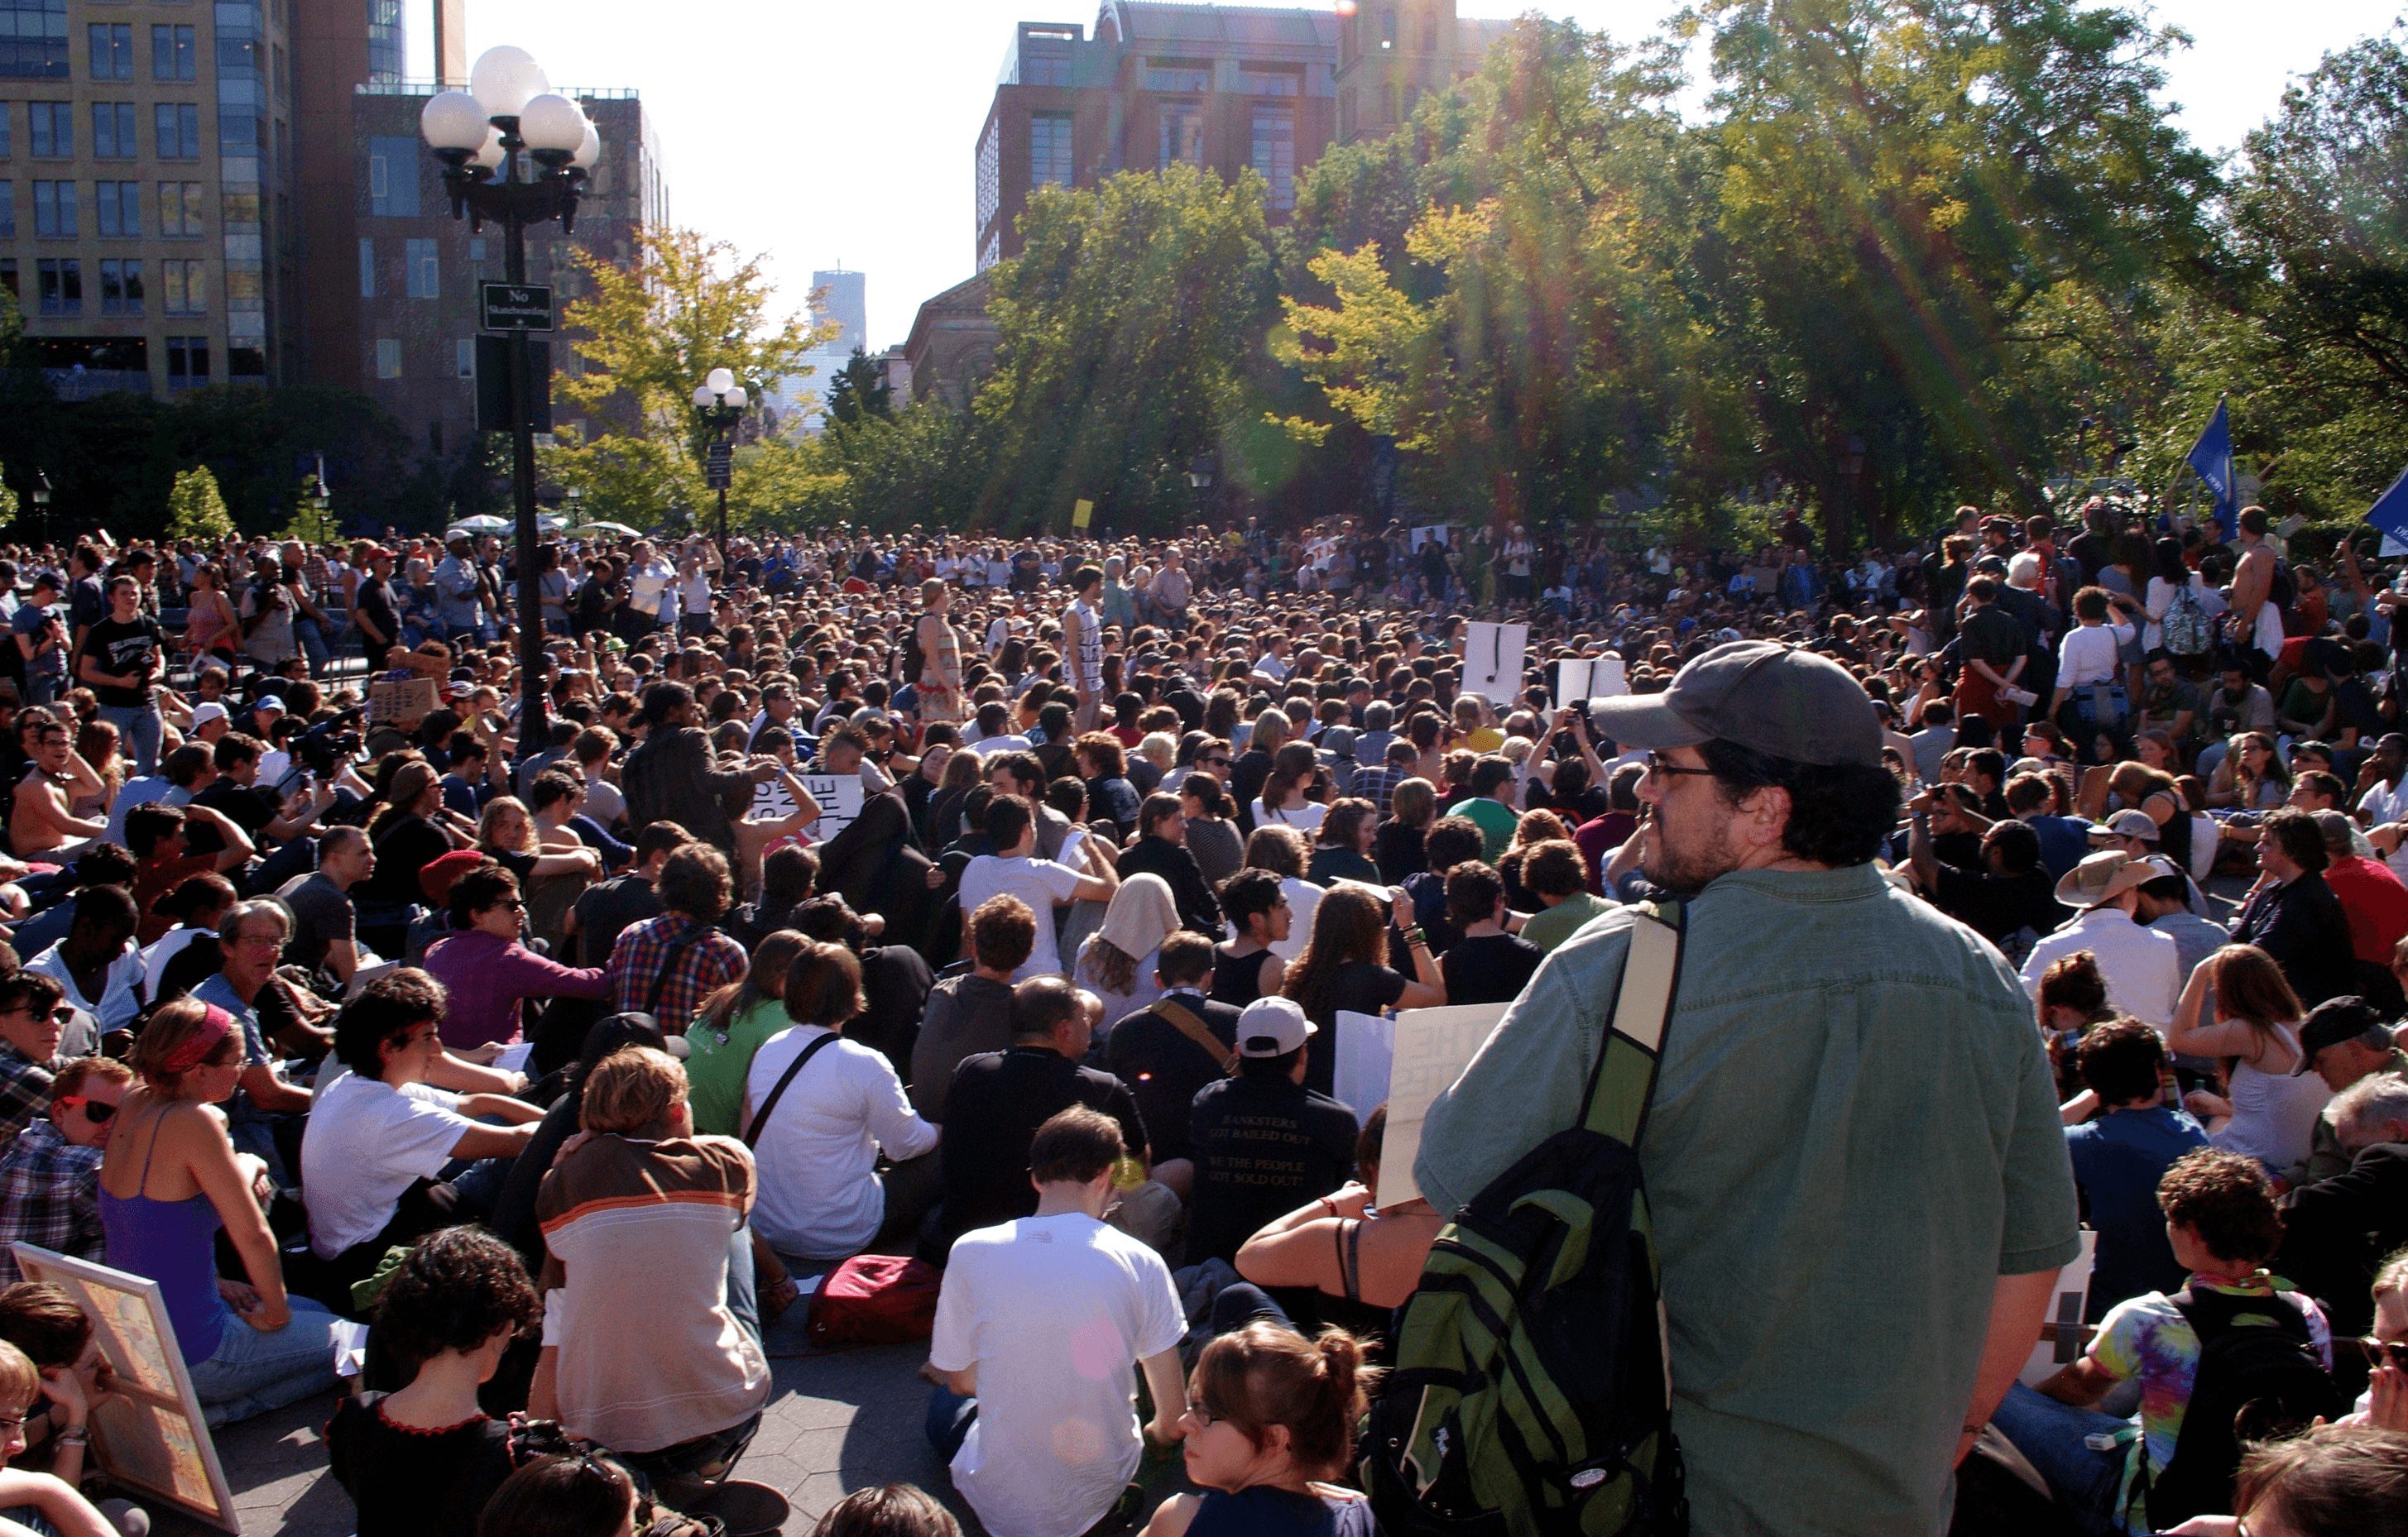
1659,764
59,1016
1204,1419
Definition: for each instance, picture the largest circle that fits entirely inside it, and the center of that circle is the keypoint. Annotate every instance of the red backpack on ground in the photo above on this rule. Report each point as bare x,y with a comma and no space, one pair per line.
875,1299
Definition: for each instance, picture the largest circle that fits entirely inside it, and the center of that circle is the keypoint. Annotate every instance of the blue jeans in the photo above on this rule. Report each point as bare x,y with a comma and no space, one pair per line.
2051,1435
312,641
949,1421
743,1299
251,1373
138,731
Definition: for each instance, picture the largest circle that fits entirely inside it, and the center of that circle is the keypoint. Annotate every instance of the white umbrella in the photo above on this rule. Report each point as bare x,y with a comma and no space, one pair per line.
609,528
481,523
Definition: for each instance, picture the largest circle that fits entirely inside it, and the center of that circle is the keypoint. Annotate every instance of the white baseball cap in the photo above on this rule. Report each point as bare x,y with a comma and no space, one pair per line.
1273,1027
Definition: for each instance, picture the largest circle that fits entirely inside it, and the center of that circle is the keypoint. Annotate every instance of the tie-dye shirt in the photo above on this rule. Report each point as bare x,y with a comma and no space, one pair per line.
2147,1338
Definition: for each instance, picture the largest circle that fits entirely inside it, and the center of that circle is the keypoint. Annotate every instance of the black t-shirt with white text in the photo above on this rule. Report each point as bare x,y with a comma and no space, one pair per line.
1263,1147
124,649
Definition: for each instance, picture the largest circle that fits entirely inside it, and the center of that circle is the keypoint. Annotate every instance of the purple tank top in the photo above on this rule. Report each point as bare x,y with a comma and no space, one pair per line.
174,1243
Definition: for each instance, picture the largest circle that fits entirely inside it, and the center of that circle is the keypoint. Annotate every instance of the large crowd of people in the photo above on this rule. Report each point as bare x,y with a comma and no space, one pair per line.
995,904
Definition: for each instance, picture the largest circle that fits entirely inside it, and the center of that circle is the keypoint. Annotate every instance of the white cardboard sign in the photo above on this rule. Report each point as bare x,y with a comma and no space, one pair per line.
1432,1048
1492,662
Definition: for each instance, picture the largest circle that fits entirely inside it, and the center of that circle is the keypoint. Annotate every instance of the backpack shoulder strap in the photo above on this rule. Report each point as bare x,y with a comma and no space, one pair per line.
1182,1018
1623,1083
668,967
761,1117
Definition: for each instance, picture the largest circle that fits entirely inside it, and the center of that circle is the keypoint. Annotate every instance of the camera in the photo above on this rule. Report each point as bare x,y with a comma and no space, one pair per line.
324,747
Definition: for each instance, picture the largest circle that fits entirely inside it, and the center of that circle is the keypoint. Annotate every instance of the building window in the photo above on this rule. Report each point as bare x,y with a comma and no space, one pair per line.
992,253
121,288
1049,150
990,172
1274,158
1429,31
8,277
246,363
174,55
119,207
179,208
388,357
34,39
367,269
284,79
112,130
188,362
422,274
54,129
62,285
8,210
5,147
463,356
177,125
1182,132
392,176
1184,75
112,52
1268,81
1389,31
54,209
184,287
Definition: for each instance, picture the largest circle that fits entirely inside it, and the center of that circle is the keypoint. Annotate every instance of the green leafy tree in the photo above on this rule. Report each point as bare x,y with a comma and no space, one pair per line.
195,510
1128,324
858,390
652,330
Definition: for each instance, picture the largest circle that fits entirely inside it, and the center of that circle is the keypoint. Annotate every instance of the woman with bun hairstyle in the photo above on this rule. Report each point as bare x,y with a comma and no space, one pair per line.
1270,1414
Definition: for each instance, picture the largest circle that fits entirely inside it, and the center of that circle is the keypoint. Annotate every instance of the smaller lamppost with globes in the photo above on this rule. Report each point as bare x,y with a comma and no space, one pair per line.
517,154
719,402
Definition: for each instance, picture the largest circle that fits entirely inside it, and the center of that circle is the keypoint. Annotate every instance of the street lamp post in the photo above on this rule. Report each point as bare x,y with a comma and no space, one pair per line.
42,500
517,154
720,401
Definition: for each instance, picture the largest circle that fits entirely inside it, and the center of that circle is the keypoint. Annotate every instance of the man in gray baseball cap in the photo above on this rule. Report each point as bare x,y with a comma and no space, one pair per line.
1852,1102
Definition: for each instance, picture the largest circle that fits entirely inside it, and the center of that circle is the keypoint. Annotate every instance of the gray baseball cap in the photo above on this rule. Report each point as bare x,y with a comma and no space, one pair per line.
1772,699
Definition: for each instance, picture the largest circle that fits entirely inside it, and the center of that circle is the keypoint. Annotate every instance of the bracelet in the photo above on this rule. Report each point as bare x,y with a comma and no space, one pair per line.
1331,1204
1415,937
72,1435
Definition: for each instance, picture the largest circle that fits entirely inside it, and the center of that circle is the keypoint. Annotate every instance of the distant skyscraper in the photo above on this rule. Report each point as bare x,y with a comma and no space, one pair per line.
847,305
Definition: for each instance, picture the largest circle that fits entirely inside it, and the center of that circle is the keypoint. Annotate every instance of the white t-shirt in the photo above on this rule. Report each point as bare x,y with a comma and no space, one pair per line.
365,1144
1040,883
1053,1311
1087,657
819,1194
1306,816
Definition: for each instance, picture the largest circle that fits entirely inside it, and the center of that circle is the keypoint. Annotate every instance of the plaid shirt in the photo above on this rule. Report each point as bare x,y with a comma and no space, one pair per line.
640,962
1379,787
49,1196
24,1089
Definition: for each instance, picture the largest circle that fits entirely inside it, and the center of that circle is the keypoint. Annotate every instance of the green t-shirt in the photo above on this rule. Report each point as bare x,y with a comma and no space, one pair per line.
1496,823
1854,1135
715,1073
1559,923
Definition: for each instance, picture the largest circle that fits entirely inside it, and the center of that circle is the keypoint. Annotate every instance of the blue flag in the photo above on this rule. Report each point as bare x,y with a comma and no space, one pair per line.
2212,457
2390,510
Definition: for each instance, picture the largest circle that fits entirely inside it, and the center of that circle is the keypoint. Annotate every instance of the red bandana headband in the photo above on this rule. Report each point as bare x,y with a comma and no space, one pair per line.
215,1025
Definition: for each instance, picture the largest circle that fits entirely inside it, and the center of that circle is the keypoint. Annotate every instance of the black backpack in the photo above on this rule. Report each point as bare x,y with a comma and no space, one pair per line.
2256,1379
2283,588
1531,1395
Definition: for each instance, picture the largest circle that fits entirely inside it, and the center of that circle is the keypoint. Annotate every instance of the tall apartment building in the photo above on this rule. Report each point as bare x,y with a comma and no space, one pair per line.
1223,86
146,223
411,271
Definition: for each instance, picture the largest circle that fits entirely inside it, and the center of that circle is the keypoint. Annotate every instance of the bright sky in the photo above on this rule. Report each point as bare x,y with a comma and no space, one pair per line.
842,135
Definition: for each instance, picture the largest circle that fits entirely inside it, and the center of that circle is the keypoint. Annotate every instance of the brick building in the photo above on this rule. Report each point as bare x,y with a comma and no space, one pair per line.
1230,87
